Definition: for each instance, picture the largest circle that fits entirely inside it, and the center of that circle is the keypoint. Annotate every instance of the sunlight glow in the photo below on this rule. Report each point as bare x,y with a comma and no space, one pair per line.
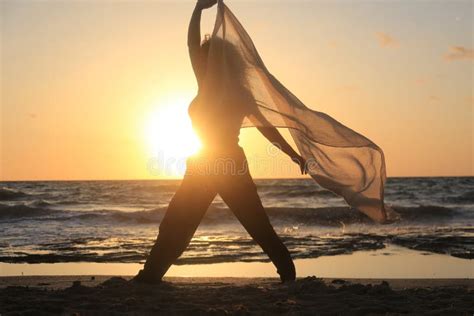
168,131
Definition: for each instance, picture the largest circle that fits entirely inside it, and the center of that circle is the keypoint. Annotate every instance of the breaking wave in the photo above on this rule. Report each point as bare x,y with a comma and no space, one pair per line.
325,216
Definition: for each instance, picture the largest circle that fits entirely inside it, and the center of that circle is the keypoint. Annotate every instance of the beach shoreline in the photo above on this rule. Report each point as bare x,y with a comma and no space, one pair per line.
57,282
393,280
84,295
391,262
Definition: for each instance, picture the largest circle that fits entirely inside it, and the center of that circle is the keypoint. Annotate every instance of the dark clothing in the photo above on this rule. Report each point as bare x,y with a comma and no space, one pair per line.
217,123
225,173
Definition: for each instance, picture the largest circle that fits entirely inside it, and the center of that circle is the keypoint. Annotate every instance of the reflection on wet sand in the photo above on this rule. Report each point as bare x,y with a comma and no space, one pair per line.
391,262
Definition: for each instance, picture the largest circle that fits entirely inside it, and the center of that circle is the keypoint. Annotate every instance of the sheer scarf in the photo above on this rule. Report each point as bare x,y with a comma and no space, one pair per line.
338,158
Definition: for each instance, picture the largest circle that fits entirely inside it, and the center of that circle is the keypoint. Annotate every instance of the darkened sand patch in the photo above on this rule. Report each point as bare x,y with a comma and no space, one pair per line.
58,295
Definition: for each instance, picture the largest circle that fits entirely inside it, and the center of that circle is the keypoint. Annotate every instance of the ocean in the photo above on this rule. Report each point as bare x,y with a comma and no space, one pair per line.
117,221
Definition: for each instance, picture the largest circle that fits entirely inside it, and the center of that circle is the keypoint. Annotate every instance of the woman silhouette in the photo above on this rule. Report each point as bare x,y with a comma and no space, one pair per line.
221,168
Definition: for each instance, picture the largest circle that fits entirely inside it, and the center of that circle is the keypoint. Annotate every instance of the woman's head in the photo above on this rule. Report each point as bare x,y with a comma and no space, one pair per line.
224,53
228,72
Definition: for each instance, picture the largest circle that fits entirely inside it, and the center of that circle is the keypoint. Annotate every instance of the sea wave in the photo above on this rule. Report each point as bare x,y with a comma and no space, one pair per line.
221,247
117,221
302,192
325,216
23,211
11,194
466,197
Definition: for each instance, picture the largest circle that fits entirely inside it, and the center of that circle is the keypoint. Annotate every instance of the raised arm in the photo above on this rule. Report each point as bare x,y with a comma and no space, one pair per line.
274,136
194,37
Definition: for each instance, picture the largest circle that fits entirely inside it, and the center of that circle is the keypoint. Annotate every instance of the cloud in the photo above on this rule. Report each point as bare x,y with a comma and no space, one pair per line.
459,53
386,40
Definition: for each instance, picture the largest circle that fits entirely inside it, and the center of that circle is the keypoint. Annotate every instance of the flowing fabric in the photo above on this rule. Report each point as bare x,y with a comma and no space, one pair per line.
338,158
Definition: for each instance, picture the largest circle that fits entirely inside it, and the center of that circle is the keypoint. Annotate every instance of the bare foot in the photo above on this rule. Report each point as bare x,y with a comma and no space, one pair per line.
146,278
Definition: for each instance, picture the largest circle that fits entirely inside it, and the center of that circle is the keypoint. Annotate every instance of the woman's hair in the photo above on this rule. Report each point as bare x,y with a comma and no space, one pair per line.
234,61
206,43
226,56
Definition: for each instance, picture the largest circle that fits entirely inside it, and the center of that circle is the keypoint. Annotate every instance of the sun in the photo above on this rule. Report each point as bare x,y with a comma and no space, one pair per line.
168,131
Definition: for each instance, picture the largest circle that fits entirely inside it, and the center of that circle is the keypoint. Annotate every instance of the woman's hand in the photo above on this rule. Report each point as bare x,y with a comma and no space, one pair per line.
300,161
205,4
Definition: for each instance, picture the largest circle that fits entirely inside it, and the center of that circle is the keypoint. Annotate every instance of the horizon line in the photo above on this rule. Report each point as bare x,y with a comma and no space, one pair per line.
180,178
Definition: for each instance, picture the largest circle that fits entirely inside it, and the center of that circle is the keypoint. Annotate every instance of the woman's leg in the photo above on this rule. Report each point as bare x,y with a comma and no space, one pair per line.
177,228
240,194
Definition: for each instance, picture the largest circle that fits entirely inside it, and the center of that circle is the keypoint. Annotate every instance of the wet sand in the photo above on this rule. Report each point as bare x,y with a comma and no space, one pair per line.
389,263
86,295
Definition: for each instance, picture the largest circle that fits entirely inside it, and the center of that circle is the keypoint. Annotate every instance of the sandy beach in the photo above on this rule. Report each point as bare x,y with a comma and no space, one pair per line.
391,280
86,295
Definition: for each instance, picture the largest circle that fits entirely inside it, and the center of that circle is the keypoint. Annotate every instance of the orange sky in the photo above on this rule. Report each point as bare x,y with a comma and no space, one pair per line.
82,81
